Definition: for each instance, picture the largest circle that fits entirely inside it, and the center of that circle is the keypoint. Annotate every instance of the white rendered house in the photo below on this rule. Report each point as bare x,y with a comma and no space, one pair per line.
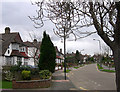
12,49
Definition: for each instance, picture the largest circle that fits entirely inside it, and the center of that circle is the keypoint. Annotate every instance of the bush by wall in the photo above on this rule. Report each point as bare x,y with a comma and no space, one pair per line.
26,75
8,76
45,74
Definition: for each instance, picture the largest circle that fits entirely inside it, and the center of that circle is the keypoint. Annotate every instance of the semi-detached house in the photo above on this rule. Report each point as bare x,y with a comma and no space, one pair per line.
12,48
33,51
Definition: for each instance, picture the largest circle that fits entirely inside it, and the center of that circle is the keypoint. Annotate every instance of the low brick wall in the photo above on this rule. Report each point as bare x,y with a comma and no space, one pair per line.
31,84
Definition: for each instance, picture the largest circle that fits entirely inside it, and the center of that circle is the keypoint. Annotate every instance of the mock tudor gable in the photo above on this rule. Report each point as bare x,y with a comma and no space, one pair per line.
11,43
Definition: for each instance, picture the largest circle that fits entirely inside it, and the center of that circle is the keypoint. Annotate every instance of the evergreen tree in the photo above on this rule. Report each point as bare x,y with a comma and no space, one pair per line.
47,54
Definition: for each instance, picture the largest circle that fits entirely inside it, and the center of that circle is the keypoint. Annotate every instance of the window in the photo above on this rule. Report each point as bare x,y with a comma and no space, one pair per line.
8,61
19,59
8,51
23,49
9,47
25,63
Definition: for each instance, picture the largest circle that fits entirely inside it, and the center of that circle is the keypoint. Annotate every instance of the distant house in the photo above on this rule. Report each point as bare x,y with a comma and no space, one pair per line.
71,57
85,59
59,58
12,48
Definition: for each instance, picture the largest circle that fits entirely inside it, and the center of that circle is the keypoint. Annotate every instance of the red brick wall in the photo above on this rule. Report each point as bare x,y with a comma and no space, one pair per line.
31,84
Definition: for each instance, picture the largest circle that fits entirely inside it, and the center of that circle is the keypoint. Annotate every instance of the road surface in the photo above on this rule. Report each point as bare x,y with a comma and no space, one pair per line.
89,78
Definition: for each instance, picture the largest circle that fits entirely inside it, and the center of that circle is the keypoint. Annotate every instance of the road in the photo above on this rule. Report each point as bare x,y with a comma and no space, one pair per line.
89,78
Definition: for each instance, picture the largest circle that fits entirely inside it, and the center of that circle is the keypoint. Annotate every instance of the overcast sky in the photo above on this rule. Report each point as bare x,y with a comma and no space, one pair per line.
15,15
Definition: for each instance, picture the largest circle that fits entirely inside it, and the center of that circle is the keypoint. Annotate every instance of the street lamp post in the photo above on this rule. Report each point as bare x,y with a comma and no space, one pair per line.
99,44
81,50
100,51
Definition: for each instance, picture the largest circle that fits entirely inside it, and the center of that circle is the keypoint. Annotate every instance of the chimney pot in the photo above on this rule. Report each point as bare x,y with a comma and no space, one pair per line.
35,40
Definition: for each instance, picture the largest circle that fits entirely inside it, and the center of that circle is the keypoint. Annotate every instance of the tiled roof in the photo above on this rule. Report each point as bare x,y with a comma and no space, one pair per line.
7,38
58,50
32,44
23,54
16,53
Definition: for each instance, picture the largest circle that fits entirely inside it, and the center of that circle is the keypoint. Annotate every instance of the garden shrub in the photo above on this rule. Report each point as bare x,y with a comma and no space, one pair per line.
45,74
35,71
26,75
8,76
27,68
14,68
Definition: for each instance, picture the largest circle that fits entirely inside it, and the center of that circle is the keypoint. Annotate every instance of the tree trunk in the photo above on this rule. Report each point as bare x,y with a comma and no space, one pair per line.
116,54
116,49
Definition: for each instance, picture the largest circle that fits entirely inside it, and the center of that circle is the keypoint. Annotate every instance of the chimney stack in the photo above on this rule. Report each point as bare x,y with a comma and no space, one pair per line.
7,30
60,50
35,41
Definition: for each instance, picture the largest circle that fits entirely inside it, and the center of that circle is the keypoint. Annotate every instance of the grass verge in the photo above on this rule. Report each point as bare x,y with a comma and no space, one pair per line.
68,70
104,70
81,65
99,66
76,67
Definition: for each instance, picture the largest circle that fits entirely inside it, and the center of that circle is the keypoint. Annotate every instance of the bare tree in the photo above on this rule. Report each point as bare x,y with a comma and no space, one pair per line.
64,15
103,15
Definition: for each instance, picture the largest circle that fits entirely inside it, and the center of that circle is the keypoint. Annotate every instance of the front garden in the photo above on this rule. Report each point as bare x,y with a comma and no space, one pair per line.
19,76
25,77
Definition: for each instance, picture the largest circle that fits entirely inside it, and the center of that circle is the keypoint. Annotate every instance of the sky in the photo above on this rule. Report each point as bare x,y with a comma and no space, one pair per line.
15,15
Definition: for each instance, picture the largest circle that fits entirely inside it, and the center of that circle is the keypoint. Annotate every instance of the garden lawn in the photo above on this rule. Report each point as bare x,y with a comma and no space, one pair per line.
6,84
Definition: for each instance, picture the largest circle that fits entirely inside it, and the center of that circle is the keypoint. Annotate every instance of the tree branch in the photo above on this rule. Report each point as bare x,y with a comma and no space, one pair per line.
100,32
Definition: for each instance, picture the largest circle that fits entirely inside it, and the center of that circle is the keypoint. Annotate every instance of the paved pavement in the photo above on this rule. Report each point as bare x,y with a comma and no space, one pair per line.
58,82
89,78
